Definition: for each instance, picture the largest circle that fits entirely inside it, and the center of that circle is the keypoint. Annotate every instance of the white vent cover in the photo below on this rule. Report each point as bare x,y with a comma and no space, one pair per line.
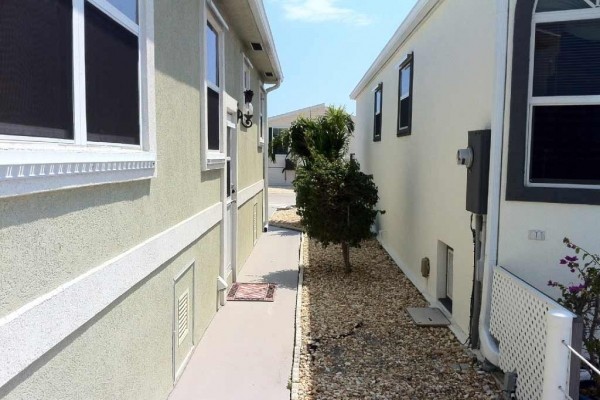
518,322
183,316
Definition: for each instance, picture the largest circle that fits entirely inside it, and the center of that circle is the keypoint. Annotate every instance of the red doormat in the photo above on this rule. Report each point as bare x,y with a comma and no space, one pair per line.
251,292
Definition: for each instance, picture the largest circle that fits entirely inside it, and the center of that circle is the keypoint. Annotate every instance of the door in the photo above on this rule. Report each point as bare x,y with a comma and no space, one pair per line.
231,199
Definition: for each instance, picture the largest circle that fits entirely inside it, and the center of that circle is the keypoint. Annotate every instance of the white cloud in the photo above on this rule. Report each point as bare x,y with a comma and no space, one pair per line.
322,11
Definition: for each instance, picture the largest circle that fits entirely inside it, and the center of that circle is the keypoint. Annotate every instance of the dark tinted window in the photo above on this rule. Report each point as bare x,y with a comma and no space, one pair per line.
565,146
378,112
213,119
560,5
405,97
273,133
36,68
567,58
112,80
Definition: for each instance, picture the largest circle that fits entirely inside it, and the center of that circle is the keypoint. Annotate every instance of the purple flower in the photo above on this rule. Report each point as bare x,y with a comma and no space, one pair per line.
576,288
550,283
563,261
571,259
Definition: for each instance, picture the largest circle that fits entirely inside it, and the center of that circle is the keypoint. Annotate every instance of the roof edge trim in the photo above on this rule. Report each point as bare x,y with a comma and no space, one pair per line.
417,15
260,17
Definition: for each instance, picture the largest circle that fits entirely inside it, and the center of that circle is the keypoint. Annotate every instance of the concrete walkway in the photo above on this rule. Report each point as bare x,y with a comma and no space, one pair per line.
246,353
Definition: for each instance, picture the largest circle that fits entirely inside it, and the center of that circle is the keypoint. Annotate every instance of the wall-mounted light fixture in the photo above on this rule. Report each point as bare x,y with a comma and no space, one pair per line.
246,115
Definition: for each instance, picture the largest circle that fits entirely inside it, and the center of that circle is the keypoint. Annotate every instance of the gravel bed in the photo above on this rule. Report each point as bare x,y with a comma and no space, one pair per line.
286,218
358,341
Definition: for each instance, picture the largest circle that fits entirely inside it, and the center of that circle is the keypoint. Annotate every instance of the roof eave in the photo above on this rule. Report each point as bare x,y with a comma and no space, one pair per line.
416,16
262,22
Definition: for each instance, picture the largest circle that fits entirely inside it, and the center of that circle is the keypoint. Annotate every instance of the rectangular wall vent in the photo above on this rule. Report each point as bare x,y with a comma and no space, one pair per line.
256,46
183,316
269,74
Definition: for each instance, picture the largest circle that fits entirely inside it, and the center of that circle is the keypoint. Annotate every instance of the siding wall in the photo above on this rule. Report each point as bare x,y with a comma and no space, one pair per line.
538,261
420,186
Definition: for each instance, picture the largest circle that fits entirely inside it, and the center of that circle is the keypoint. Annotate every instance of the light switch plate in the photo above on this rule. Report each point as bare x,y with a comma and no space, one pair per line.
537,235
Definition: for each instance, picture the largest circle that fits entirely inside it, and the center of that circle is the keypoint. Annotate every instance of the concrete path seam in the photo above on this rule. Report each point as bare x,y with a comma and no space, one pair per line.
295,388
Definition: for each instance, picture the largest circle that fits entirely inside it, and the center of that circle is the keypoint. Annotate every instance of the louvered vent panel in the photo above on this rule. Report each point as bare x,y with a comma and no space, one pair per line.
183,311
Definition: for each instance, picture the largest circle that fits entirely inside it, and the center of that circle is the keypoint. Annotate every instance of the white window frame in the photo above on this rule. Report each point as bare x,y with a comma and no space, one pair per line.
32,165
247,69
214,159
547,17
262,102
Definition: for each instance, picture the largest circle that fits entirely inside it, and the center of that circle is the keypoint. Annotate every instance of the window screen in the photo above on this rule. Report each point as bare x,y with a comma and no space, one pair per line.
567,58
112,80
560,5
213,119
212,55
565,145
378,112
36,68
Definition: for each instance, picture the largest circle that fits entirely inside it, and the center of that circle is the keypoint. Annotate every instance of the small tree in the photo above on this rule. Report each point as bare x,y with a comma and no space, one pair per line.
336,203
326,136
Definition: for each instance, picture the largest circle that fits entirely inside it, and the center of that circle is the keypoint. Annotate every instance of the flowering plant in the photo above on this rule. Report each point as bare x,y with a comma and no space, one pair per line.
583,298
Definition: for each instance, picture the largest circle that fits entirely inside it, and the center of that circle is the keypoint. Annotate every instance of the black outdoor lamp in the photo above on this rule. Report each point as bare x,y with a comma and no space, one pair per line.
248,112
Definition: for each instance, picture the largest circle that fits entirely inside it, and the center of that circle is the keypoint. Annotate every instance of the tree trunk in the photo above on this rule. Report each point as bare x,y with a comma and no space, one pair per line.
346,253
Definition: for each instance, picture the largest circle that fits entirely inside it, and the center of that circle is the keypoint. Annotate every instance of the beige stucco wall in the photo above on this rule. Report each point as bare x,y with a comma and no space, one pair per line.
420,186
250,153
538,261
126,351
246,225
50,239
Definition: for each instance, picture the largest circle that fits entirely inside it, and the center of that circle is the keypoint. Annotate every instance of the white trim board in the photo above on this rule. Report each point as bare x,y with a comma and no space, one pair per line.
249,192
34,329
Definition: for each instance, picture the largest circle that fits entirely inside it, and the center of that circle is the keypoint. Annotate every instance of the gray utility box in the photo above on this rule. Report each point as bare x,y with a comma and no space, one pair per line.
479,172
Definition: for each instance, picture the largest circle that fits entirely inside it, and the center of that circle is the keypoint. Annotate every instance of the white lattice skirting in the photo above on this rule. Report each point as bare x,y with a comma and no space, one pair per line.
519,321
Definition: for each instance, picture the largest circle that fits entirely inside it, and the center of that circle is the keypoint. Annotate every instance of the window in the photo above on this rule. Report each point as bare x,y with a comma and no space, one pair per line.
38,79
273,133
36,64
213,90
405,80
246,75
555,121
378,108
75,73
112,77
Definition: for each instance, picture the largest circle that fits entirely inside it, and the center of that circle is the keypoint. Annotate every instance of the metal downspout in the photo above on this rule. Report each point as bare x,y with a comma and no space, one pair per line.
266,163
489,347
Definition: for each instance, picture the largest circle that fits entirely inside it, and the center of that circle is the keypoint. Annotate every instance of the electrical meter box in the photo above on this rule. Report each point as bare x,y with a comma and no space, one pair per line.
478,173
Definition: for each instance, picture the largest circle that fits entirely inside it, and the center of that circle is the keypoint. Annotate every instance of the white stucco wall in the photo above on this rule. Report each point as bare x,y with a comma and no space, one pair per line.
421,188
538,261
276,175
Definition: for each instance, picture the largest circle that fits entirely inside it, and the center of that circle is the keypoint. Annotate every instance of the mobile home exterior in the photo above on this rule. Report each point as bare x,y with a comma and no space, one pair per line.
131,193
525,70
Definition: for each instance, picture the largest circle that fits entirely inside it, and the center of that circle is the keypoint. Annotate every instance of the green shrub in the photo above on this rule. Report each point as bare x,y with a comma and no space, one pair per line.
337,203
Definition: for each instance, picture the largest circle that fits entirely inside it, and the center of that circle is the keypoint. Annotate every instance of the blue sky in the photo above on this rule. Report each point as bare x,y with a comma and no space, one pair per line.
326,46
